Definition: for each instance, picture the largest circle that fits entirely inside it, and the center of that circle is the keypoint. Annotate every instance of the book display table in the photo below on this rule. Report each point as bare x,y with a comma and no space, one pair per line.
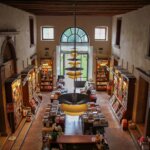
93,124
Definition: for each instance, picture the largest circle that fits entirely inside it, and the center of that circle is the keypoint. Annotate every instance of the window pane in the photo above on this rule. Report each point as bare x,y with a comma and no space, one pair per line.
61,64
48,33
71,39
73,30
64,38
84,38
68,32
78,39
84,65
100,33
81,32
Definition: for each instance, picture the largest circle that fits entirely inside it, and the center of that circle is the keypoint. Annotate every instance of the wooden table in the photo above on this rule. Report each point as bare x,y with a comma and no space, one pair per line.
77,142
80,139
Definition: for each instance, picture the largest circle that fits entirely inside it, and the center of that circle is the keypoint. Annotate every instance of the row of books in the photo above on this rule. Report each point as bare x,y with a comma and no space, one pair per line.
46,83
118,108
46,87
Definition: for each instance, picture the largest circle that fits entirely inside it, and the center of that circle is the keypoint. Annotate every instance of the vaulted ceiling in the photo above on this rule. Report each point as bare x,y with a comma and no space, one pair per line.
82,7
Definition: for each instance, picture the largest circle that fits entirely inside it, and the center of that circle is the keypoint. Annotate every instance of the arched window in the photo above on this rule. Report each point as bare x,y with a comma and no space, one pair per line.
67,41
68,36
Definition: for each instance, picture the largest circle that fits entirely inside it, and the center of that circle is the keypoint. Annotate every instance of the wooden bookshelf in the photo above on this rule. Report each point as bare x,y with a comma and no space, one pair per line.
29,85
123,96
14,101
46,74
102,74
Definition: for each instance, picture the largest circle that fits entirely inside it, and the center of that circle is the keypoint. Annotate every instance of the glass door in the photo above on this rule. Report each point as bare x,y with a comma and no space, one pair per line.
83,63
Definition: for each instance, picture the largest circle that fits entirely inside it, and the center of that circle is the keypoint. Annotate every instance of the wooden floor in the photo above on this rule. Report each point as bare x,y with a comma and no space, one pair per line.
116,137
141,127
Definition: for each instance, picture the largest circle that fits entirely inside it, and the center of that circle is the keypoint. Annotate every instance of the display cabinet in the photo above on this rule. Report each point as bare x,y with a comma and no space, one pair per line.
102,74
113,63
34,62
28,79
33,80
123,96
118,81
46,74
14,101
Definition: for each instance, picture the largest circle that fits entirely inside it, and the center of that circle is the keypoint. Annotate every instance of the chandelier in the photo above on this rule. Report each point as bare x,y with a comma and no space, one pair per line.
74,103
74,71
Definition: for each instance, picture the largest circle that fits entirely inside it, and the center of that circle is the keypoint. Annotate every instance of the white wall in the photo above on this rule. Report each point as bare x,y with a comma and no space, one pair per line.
135,38
60,23
12,18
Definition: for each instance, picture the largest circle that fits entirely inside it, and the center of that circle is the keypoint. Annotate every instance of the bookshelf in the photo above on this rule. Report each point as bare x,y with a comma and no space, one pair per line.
123,97
102,74
46,74
28,88
14,101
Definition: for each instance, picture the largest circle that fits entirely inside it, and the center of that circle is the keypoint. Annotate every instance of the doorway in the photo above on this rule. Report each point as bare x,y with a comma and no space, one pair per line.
142,105
83,64
74,39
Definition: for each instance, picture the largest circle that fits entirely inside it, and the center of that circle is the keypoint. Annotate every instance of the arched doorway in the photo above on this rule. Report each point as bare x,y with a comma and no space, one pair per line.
67,42
85,52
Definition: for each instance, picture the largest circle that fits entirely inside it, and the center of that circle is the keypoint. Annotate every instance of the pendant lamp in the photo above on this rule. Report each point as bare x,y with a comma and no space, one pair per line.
74,103
74,71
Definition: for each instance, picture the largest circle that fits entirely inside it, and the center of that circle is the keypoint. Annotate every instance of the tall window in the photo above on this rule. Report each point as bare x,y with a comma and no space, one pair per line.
101,33
118,31
47,33
67,43
31,26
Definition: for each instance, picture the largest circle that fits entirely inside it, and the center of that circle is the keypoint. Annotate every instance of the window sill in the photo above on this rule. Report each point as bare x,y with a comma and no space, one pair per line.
97,40
48,40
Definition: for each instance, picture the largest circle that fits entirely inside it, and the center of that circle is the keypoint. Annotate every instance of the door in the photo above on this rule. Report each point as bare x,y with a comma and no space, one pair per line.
83,64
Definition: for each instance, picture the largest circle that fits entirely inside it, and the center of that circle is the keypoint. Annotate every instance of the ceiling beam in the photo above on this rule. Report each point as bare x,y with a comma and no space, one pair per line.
83,7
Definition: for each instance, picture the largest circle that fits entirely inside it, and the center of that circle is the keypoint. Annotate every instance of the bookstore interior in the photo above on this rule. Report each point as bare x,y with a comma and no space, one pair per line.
65,91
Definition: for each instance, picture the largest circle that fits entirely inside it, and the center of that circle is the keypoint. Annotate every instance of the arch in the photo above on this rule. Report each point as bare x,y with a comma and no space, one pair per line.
8,52
68,36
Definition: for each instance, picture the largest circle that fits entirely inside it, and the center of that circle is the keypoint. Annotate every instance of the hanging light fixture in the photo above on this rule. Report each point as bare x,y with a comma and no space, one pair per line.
74,103
74,71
